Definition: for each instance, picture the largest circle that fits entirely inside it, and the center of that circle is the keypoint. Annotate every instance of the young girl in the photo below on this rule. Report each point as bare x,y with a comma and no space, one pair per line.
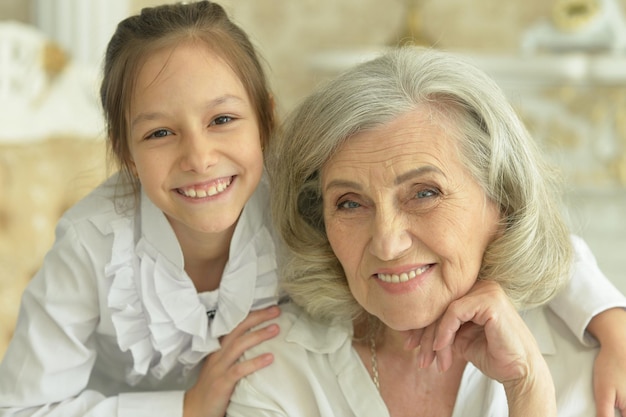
140,286
143,305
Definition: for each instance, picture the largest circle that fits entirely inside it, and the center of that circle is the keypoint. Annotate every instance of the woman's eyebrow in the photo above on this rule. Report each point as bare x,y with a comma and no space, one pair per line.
343,184
409,175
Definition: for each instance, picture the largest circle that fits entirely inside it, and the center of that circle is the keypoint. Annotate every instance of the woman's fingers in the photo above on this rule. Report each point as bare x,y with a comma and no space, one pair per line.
484,327
426,354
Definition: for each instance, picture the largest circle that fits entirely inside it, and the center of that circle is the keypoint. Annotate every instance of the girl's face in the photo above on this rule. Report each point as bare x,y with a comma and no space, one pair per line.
405,218
194,139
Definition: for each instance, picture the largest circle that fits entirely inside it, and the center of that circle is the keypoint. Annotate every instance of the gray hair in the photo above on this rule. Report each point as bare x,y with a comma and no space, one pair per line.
531,259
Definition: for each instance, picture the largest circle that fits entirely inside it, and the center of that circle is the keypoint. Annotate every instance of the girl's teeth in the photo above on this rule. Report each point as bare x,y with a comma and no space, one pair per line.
202,193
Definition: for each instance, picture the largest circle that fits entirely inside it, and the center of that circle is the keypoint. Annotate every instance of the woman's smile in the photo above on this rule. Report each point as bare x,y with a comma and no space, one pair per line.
402,276
417,221
404,282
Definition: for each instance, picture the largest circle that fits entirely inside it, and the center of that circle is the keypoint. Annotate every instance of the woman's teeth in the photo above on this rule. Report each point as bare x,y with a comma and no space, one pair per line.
403,277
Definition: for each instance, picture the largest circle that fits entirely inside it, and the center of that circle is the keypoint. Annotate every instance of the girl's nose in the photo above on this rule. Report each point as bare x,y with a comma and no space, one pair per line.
390,236
198,153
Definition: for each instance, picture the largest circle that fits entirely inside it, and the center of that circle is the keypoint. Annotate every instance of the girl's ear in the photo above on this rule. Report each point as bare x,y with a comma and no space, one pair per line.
273,108
133,168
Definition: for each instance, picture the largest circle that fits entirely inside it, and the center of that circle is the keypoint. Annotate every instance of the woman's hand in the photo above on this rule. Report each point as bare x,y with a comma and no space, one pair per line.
484,328
221,370
609,370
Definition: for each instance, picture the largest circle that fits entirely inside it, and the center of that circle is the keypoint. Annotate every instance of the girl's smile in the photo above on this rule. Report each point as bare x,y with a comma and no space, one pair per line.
208,189
195,140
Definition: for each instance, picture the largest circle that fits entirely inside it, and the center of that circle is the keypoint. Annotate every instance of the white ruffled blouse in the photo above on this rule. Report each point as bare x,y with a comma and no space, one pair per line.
119,314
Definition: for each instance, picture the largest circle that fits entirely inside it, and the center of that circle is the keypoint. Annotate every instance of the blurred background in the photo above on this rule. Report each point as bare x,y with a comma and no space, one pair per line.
562,62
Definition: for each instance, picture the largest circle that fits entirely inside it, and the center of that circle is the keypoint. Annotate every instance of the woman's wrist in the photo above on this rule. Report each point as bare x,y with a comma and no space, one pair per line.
533,394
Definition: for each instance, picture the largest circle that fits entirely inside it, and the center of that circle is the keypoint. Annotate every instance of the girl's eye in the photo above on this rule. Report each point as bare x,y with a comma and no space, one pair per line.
161,133
220,120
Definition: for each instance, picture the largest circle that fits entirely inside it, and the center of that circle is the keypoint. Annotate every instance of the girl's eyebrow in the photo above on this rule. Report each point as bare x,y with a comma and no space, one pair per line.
141,117
145,117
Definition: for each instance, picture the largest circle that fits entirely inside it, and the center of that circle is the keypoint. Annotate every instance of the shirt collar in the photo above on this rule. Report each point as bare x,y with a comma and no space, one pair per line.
156,229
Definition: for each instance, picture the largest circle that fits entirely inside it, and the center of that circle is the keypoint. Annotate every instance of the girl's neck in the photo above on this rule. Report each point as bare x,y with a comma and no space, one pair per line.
205,256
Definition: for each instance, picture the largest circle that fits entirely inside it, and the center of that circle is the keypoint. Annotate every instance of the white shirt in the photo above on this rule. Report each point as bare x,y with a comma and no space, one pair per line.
112,325
317,372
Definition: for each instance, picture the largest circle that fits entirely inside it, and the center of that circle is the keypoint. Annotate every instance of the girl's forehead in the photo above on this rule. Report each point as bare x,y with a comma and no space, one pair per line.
181,78
186,62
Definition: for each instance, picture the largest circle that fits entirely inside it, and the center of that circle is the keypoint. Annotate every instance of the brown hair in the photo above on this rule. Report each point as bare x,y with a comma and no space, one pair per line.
138,36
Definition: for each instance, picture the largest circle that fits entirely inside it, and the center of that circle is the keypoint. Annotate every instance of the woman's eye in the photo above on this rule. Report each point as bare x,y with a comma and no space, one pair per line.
161,133
220,120
426,193
347,205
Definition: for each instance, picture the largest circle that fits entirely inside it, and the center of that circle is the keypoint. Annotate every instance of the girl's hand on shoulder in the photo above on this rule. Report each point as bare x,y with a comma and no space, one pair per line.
221,370
609,381
609,370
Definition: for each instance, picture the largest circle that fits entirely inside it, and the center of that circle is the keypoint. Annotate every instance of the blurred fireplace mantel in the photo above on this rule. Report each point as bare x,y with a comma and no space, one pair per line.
509,69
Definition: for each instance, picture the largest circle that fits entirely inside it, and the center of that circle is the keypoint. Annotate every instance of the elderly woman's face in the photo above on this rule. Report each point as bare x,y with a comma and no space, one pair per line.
407,221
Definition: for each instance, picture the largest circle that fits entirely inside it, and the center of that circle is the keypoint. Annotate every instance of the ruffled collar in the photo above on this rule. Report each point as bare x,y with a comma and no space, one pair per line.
156,312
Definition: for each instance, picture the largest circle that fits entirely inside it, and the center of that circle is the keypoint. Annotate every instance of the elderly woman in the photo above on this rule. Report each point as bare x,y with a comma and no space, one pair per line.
424,240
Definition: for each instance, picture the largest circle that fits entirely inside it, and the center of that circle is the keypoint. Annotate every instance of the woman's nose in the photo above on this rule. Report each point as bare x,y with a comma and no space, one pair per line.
198,153
391,238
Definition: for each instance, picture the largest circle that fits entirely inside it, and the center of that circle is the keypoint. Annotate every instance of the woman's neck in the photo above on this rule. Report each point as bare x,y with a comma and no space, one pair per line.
404,385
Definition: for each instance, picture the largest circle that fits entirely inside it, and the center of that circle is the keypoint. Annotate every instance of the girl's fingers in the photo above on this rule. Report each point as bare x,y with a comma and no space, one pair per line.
222,369
232,350
247,367
242,338
253,319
